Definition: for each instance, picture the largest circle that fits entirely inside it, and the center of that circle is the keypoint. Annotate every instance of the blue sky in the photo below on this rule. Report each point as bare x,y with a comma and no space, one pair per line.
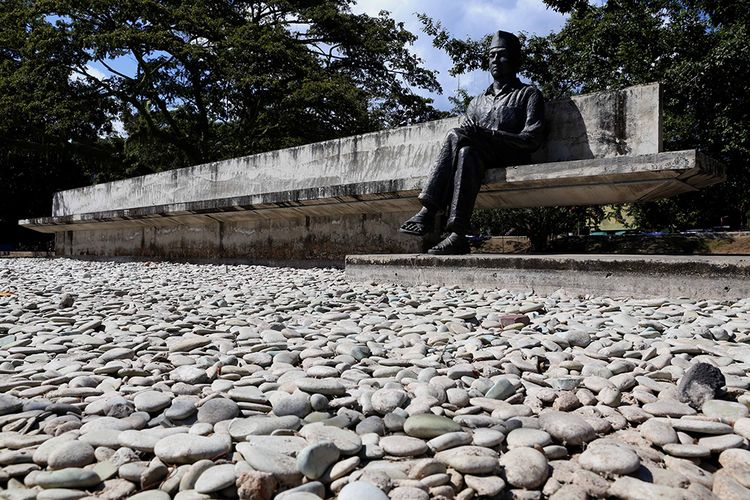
467,18
473,18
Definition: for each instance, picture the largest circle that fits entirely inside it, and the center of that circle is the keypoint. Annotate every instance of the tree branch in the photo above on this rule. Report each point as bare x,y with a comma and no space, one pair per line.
180,136
114,71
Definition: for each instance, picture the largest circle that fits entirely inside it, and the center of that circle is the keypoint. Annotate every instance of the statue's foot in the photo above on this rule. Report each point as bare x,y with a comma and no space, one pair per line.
454,244
419,225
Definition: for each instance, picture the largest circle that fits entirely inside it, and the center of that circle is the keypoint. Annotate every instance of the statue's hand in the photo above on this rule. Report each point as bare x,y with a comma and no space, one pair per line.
472,128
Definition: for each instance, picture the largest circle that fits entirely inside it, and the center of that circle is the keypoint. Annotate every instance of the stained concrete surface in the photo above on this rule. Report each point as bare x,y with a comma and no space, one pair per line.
323,239
717,277
608,180
331,222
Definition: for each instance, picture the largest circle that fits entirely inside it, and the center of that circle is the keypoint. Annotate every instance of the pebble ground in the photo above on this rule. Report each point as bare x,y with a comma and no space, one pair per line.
159,381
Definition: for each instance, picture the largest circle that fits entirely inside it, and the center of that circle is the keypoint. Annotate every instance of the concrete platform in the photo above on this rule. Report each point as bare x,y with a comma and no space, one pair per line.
698,276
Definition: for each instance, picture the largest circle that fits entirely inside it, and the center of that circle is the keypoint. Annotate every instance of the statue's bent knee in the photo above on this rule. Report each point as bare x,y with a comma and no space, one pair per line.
454,135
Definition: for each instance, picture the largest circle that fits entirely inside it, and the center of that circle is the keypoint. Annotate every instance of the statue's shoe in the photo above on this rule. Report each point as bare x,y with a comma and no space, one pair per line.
452,245
416,226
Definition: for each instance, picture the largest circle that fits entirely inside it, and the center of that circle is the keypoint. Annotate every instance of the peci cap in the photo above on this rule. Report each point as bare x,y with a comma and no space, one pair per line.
510,38
511,42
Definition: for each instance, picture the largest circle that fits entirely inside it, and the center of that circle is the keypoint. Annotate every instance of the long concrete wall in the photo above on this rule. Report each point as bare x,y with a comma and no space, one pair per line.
328,223
608,124
323,239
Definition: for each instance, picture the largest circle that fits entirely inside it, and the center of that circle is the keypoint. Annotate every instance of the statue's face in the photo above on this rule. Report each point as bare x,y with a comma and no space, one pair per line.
501,61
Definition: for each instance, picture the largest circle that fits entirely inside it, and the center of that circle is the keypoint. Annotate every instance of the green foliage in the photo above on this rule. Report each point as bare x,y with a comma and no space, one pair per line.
215,80
49,124
466,55
697,49
460,101
566,6
207,80
538,223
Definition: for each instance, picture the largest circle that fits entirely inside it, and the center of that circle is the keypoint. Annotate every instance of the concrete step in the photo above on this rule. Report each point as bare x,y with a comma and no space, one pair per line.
695,276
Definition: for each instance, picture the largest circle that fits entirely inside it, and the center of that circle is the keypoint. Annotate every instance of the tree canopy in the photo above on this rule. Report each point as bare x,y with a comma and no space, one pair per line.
189,81
50,124
227,78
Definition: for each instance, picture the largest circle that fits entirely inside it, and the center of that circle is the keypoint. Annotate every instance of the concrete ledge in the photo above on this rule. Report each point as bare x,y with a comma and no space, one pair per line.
604,180
715,277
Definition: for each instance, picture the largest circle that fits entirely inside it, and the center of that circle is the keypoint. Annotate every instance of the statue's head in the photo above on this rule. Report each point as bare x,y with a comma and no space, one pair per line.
505,54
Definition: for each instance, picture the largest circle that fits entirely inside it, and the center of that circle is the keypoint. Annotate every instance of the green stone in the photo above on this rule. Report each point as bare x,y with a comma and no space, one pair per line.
72,477
502,389
428,426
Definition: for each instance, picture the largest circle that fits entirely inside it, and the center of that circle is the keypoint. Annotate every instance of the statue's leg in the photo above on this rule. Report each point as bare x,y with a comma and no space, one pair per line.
437,191
467,181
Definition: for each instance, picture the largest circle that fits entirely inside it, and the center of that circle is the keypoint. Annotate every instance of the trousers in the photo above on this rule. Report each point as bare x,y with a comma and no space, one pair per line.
456,176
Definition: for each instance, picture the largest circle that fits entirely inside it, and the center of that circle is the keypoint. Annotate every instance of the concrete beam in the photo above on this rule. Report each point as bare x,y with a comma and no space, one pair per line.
609,180
695,276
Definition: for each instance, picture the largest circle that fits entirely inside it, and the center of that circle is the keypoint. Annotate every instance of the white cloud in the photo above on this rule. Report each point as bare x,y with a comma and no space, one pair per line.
531,16
373,7
471,18
95,73
91,71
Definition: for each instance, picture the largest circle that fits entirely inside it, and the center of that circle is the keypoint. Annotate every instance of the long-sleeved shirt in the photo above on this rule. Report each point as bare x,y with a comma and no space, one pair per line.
514,114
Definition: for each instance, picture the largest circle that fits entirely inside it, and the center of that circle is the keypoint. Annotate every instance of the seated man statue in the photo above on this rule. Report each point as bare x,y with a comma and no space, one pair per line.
502,127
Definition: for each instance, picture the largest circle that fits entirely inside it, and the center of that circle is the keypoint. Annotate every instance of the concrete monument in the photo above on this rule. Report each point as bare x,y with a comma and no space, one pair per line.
502,127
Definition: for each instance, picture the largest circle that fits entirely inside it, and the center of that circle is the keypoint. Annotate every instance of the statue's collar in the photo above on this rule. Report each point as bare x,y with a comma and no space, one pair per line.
506,88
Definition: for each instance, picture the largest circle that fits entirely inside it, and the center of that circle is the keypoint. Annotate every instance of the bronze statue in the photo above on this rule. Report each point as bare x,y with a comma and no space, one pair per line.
502,127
